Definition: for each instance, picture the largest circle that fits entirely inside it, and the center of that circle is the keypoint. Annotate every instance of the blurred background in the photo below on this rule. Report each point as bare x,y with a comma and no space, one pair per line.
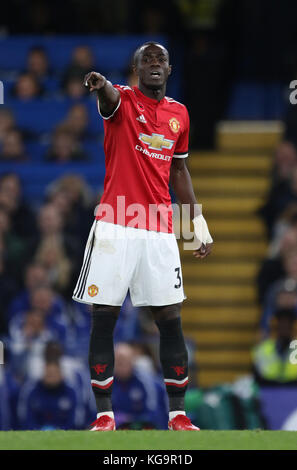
233,63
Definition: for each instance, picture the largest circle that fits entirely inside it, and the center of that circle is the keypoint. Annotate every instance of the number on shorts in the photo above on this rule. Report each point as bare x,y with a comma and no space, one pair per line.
177,286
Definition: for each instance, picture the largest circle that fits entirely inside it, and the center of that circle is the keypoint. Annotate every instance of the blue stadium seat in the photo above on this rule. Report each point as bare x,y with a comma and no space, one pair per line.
38,115
95,120
36,151
44,114
94,150
275,100
111,53
36,177
51,85
247,102
257,101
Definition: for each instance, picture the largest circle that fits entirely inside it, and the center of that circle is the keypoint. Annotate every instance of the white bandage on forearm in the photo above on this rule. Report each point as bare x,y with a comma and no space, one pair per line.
201,231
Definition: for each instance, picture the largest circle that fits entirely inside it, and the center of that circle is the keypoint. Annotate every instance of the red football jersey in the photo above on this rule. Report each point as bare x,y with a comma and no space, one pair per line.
141,138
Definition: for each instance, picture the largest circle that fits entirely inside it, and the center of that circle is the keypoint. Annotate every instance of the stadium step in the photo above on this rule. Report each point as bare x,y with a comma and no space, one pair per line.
243,271
222,337
228,185
224,292
230,206
212,358
212,316
221,313
211,161
229,249
248,135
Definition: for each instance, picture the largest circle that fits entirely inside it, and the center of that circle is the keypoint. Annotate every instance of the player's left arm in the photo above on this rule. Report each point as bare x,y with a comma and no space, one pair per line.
182,184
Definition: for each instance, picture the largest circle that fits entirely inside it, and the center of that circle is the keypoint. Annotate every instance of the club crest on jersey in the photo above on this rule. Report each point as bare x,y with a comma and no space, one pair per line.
156,141
174,125
140,107
93,290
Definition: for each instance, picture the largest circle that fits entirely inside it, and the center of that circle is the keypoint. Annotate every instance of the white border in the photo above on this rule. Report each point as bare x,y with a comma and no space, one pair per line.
108,117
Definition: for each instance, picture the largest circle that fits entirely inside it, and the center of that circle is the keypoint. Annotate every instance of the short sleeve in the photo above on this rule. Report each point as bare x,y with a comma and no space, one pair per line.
121,104
182,146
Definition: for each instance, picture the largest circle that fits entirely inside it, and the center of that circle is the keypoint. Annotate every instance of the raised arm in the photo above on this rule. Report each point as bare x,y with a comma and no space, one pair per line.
108,96
182,185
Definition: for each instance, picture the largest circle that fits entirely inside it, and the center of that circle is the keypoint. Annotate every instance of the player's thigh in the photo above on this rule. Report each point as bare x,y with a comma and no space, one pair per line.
166,312
108,270
158,280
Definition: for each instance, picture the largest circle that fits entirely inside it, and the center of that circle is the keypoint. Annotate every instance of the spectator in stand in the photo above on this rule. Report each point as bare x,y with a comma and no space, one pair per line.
27,341
73,371
74,88
138,395
282,188
22,218
12,247
131,77
284,161
74,200
8,288
77,121
65,147
52,256
7,122
81,64
9,390
59,252
290,122
38,63
13,148
282,293
271,358
50,403
35,276
27,87
50,305
284,243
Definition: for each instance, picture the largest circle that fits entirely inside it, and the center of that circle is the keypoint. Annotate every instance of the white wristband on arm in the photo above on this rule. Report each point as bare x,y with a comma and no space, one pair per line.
201,231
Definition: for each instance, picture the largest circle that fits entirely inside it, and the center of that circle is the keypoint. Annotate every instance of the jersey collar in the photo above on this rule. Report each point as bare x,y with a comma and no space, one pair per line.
143,97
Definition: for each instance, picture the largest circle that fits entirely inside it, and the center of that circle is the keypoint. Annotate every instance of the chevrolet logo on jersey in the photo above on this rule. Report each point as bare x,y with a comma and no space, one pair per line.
156,141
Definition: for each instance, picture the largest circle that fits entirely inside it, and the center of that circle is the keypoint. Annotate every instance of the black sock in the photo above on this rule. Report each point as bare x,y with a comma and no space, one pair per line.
174,361
101,358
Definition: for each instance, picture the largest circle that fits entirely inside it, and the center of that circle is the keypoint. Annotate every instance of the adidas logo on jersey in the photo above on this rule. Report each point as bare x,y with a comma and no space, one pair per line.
141,118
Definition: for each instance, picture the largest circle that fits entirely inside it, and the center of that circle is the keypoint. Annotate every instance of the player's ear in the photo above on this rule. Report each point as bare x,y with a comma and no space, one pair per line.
134,68
170,69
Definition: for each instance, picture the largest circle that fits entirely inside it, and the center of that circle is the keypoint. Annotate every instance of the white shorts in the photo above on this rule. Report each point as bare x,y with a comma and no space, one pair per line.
119,258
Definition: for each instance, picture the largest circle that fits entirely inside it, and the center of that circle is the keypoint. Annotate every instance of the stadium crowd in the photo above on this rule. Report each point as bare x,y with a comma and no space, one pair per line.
277,277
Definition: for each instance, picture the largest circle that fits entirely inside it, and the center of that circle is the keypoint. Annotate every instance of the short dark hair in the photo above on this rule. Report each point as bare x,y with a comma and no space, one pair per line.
149,43
288,313
38,49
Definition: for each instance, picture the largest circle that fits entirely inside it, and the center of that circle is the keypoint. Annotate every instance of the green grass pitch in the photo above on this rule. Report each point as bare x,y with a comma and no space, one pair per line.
148,440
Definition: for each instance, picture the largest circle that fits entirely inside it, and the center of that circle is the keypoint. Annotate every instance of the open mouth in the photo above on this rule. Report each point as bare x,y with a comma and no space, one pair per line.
155,74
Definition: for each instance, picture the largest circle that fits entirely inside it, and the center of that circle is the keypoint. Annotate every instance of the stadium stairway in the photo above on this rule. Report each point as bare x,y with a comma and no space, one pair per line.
221,312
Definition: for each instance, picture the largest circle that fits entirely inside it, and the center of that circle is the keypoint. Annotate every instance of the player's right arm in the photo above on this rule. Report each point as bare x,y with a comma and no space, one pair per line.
108,96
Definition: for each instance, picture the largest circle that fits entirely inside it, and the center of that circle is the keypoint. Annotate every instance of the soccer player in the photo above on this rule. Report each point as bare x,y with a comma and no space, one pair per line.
131,244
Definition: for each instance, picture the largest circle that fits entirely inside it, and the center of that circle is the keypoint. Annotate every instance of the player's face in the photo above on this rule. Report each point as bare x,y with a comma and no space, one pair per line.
153,66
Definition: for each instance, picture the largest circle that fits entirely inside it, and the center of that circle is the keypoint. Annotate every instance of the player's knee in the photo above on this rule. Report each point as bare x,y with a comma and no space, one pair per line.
166,312
104,309
103,321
